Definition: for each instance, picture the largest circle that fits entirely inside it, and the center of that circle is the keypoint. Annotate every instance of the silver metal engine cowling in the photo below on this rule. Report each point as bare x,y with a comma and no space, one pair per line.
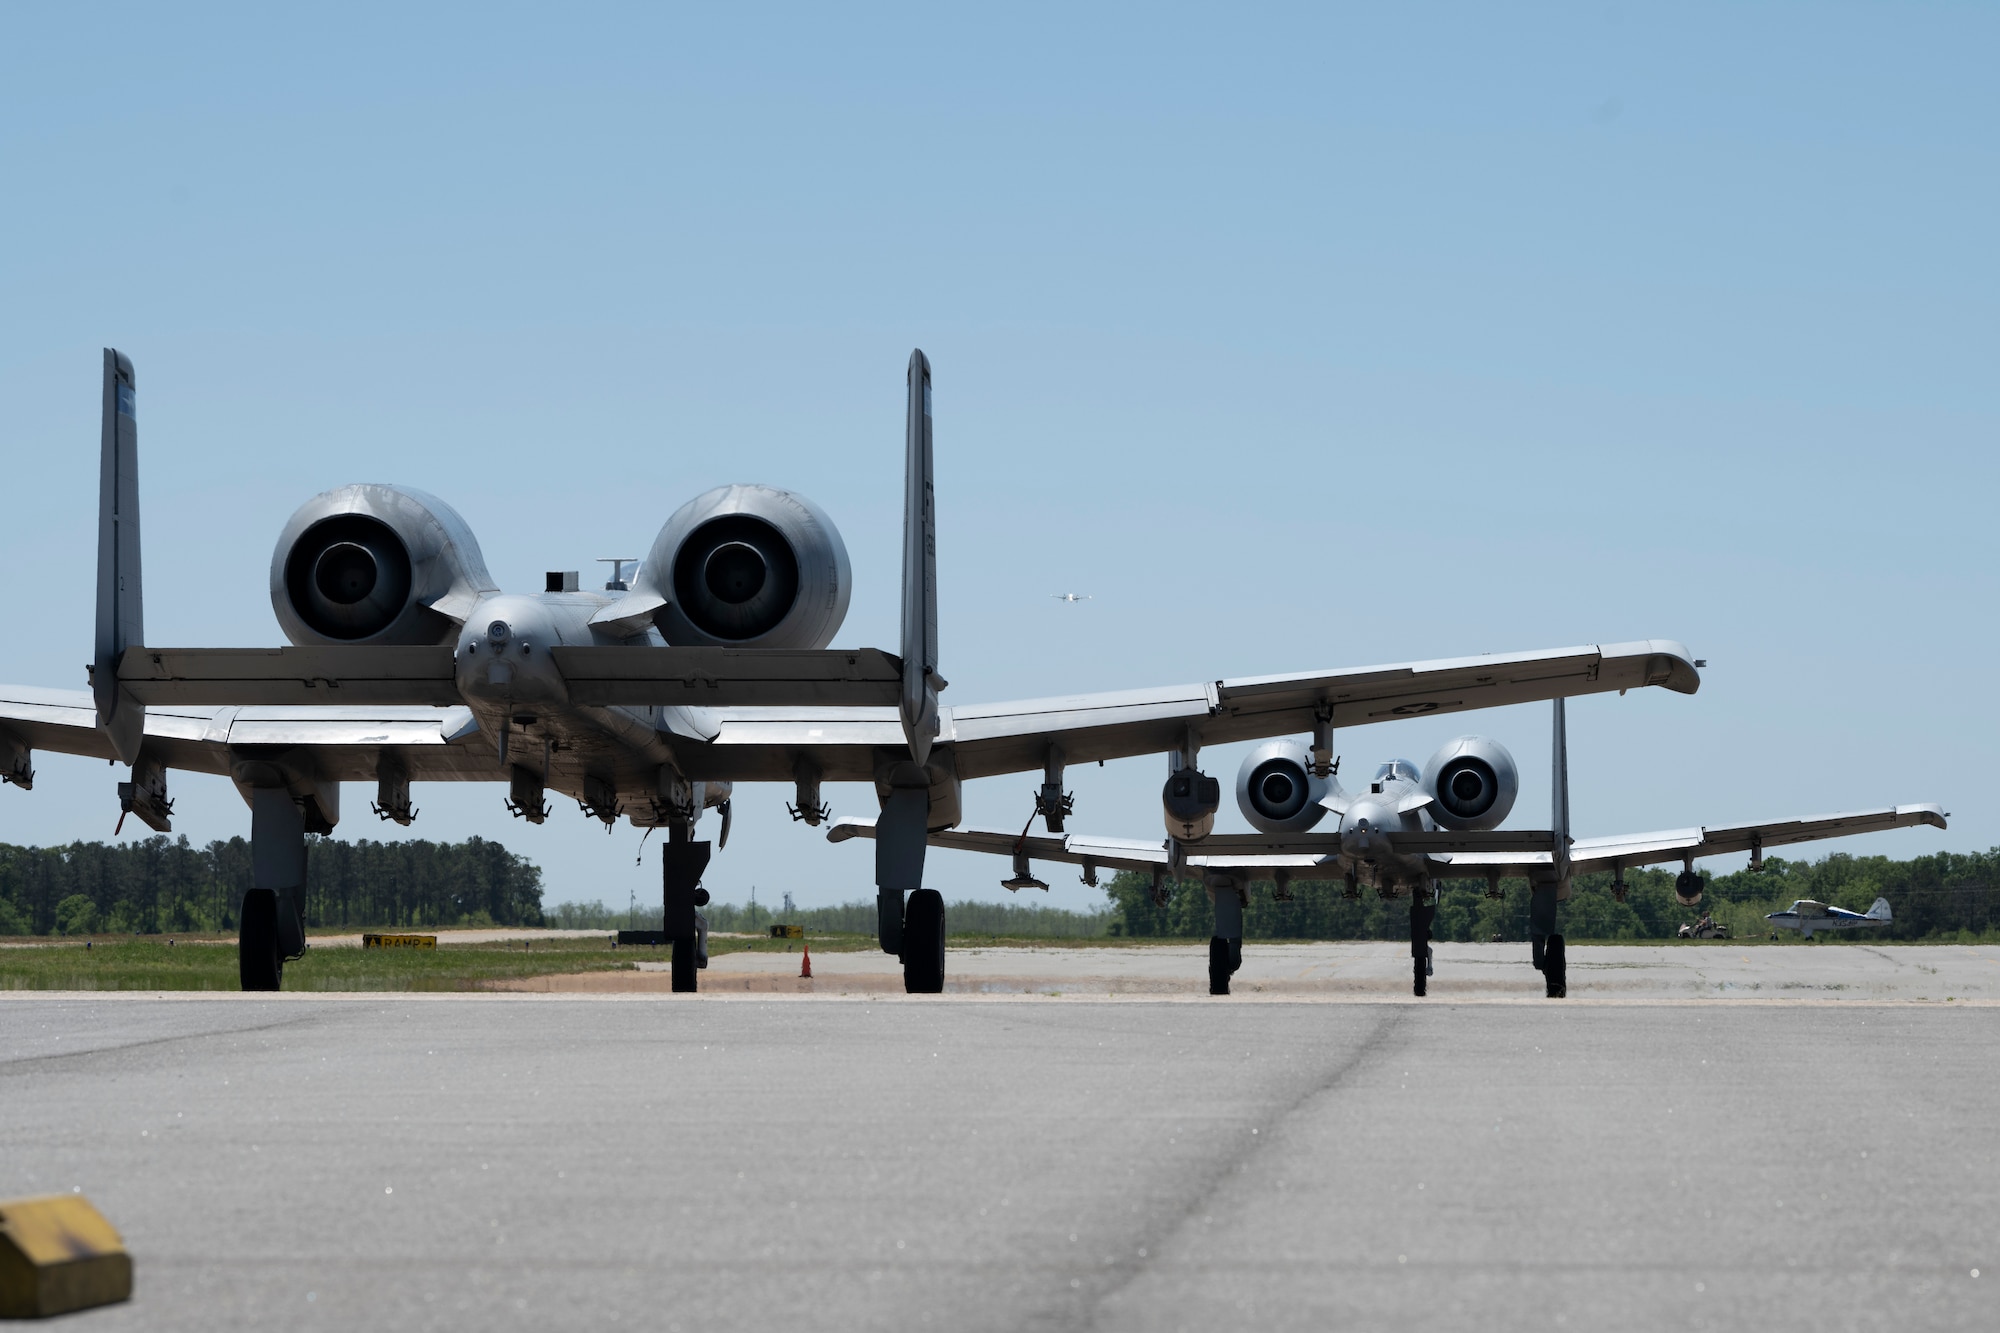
1473,783
376,564
1275,790
747,566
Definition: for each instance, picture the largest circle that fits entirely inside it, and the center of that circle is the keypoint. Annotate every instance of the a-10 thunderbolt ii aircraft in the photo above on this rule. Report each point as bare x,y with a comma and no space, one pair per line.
1807,916
649,700
1410,829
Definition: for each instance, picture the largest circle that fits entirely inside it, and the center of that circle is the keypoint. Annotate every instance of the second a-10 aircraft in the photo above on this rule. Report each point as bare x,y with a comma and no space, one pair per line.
648,701
1408,831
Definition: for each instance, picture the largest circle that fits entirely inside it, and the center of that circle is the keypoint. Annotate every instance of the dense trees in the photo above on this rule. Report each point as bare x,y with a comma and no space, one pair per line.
167,884
1942,897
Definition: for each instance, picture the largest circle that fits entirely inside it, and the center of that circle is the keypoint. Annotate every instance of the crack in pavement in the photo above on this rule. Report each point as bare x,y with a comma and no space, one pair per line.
1230,1164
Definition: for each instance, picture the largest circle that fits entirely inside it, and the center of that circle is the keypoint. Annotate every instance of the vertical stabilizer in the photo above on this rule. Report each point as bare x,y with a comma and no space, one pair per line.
1880,911
1559,794
120,607
921,682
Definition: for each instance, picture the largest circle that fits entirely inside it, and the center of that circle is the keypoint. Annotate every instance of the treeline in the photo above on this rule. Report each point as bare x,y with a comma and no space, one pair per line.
1946,897
162,885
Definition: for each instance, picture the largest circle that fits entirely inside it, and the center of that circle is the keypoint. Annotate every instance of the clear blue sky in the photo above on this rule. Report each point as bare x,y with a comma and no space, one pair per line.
1298,337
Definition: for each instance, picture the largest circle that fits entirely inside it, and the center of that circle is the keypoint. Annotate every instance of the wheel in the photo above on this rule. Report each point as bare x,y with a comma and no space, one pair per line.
258,963
923,943
1220,965
1421,968
1235,957
684,964
1430,964
1555,968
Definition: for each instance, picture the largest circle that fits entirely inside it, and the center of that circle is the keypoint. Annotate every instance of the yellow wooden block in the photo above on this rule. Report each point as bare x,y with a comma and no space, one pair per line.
58,1254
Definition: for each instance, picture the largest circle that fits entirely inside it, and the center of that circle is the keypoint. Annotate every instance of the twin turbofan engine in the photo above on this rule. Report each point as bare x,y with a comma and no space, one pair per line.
1472,783
739,566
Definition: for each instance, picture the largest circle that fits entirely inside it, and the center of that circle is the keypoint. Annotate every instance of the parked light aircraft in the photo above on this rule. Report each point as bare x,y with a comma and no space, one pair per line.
1410,829
710,667
1807,916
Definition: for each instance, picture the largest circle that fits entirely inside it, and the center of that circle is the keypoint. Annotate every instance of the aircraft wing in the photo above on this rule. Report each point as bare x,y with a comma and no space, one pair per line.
436,744
1511,851
1669,845
990,739
1076,849
841,713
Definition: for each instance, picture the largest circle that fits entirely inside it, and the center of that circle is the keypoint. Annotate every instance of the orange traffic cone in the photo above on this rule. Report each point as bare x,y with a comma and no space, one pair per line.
805,961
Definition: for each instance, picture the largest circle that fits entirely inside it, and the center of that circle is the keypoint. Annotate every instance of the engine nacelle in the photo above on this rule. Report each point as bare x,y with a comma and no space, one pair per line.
1688,888
746,567
1275,790
376,564
1473,783
1189,802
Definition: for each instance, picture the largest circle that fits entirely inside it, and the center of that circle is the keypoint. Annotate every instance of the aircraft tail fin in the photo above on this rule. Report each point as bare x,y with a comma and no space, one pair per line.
120,601
1559,793
921,681
1880,911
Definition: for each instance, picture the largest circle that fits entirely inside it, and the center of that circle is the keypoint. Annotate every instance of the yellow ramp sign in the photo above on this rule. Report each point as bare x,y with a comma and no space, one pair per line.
57,1254
399,941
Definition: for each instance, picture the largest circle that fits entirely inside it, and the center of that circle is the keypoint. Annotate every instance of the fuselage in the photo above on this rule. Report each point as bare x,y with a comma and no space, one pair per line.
1394,802
508,678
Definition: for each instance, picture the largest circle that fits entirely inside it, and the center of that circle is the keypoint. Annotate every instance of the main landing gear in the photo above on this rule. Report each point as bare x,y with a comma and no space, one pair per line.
1225,947
683,861
923,943
271,930
1550,957
1423,907
909,919
1225,956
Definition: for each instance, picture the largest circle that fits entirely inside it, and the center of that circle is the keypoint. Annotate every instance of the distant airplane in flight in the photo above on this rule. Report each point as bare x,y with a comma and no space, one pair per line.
1806,916
1070,596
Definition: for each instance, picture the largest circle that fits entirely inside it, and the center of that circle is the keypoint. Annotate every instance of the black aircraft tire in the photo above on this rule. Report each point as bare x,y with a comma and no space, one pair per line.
1220,965
258,965
1422,974
684,963
923,943
1235,957
1555,968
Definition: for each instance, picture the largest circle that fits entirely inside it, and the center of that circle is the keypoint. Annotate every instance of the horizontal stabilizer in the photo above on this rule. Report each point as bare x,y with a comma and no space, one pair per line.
732,677
354,674
291,677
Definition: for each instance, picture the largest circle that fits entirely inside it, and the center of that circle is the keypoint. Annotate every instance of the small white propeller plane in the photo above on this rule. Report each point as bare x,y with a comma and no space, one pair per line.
1807,916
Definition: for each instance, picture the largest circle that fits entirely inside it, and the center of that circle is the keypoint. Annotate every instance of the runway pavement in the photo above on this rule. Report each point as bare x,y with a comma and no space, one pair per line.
1372,970
519,1161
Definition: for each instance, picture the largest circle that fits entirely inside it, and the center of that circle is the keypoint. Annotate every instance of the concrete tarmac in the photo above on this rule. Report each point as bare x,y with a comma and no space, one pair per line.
1369,970
524,1161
